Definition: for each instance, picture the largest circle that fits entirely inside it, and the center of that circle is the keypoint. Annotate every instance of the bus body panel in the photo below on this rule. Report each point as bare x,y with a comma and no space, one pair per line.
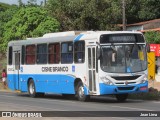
48,79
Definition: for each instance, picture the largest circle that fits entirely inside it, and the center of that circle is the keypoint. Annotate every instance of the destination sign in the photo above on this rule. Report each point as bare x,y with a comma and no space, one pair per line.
121,38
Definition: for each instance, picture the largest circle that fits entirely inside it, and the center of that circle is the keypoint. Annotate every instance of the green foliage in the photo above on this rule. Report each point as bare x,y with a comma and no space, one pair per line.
49,25
142,10
6,16
28,22
4,7
85,14
152,37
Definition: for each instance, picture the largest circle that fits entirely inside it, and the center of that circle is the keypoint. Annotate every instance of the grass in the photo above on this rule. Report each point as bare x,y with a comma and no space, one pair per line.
2,87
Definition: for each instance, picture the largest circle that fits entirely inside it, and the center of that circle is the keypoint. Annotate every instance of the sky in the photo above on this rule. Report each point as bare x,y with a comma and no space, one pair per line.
16,1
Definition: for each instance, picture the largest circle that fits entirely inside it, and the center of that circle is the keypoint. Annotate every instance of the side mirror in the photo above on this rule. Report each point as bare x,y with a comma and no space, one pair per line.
148,47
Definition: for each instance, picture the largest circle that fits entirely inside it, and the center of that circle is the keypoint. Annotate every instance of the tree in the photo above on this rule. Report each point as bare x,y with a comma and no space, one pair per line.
142,10
85,14
32,2
20,3
152,37
6,16
29,22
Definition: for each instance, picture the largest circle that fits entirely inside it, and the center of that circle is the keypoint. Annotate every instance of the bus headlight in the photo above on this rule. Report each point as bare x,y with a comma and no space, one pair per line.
144,79
106,81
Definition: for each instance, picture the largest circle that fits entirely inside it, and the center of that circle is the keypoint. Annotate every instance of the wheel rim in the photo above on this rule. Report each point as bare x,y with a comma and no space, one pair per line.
31,88
81,92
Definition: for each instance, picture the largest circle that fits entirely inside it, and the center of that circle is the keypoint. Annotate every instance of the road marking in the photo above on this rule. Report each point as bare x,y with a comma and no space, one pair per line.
156,101
68,101
121,118
30,106
7,96
134,108
53,100
42,99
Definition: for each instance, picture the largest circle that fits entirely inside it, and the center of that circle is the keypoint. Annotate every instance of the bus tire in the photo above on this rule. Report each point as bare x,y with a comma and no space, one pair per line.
80,93
32,89
121,97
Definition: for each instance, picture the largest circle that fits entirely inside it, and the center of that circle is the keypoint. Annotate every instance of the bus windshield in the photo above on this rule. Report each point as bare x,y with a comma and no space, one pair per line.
125,58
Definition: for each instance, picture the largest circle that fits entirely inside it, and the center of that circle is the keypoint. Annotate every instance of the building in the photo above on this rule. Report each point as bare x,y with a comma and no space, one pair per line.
151,25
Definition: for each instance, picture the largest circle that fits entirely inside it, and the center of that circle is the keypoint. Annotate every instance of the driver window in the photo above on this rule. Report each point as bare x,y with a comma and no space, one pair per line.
109,56
135,51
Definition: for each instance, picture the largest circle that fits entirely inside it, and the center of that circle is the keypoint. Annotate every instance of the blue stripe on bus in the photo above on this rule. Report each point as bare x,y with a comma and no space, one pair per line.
78,37
61,84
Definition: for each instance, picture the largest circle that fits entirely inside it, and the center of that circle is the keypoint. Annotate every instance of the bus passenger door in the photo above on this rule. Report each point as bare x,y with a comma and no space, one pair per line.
92,69
17,68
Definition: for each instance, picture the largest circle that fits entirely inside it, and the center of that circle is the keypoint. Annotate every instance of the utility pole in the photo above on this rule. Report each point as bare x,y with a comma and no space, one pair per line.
124,14
45,2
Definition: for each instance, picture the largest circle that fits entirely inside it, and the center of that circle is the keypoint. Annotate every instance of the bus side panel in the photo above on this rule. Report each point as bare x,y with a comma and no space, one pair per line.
67,84
49,83
23,83
11,81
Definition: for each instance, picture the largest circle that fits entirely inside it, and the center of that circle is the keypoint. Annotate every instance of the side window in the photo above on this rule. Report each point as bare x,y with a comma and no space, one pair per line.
67,52
30,54
42,54
23,55
10,54
54,53
79,52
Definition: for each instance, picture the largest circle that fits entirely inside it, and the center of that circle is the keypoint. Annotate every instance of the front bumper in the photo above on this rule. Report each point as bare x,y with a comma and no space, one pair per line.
123,89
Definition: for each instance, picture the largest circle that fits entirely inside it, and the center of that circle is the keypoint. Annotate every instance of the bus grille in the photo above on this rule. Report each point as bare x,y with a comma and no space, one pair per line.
126,88
119,78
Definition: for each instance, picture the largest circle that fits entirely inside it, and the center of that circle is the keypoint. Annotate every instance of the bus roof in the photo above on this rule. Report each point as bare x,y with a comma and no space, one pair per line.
66,36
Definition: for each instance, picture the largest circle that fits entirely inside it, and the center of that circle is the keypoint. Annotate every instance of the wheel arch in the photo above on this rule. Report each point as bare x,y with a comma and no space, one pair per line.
29,79
76,81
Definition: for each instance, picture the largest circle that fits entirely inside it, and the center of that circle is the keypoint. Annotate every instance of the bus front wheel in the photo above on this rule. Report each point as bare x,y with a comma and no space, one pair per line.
80,93
121,97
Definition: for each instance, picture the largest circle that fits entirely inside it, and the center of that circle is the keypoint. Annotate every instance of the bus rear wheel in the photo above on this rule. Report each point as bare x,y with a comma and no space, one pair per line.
121,97
80,93
31,88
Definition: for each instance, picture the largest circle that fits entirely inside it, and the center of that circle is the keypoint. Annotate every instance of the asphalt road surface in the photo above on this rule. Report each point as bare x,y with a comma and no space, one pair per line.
22,102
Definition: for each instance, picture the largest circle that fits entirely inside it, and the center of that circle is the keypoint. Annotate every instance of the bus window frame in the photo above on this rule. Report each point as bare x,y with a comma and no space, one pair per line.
42,54
55,53
70,42
31,54
83,51
23,55
10,55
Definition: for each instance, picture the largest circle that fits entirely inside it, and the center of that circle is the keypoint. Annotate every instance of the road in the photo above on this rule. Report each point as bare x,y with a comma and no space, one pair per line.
22,102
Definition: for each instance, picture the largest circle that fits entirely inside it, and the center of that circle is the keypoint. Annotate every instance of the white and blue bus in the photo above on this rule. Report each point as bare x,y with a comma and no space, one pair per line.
84,64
